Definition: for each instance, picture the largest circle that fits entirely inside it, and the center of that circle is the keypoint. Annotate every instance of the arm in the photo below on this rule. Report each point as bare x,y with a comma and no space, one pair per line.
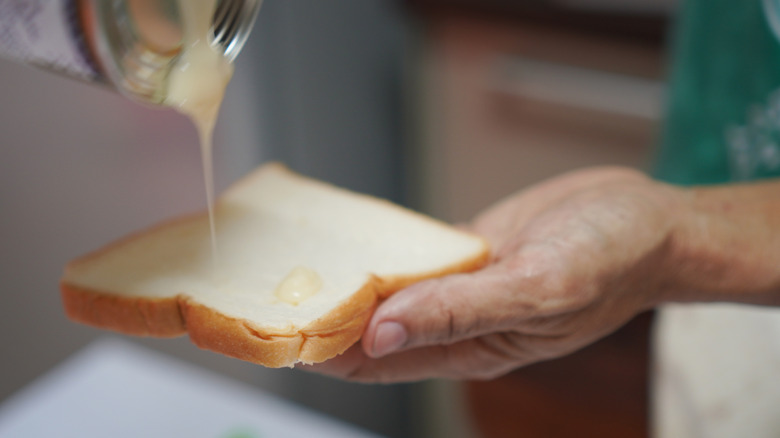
729,246
575,258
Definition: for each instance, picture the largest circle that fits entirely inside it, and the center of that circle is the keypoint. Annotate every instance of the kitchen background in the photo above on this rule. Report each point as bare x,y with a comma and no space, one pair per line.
445,106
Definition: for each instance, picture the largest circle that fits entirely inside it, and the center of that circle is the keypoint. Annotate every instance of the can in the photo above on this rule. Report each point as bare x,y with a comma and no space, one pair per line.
127,45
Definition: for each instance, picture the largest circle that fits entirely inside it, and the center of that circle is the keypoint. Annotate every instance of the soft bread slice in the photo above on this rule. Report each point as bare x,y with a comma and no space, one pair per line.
165,282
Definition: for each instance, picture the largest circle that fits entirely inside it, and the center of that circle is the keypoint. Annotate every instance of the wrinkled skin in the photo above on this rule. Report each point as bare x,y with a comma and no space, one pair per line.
574,258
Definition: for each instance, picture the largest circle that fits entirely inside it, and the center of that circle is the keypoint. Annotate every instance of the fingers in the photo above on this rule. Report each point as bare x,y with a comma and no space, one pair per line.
462,360
479,358
445,311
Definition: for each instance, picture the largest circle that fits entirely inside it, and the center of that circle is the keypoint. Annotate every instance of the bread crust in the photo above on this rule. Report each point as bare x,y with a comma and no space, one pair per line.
134,316
322,339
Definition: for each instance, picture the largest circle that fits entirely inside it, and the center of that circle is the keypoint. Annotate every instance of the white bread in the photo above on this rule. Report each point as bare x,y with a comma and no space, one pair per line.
163,281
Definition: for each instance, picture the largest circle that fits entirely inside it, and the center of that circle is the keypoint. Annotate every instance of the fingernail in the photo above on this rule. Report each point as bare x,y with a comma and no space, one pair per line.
389,337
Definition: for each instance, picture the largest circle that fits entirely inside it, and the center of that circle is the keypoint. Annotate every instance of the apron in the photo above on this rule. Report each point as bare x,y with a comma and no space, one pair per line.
717,366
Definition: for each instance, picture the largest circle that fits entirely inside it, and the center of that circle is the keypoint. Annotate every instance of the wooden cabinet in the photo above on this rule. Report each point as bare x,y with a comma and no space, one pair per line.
503,104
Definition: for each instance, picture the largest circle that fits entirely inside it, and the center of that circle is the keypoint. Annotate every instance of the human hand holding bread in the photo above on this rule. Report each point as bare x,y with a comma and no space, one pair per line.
573,259
570,261
560,277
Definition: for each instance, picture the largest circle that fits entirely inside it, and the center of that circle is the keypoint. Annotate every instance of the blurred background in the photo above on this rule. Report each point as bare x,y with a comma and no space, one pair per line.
444,106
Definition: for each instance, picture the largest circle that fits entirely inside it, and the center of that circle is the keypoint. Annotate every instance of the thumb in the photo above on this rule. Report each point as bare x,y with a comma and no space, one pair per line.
442,311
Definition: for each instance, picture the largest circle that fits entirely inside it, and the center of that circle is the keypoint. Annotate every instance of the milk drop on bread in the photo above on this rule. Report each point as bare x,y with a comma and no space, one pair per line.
301,267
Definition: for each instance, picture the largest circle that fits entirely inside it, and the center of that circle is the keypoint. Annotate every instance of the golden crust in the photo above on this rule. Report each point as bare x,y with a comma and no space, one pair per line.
237,338
211,330
135,316
331,334
324,338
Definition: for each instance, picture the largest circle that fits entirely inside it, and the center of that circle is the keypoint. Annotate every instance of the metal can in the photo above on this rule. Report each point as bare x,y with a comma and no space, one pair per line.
127,45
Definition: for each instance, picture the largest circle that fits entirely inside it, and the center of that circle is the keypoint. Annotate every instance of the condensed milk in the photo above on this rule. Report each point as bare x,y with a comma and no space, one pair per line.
196,87
299,285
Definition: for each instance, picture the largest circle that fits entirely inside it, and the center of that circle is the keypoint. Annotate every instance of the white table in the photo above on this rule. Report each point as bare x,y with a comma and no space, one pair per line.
117,389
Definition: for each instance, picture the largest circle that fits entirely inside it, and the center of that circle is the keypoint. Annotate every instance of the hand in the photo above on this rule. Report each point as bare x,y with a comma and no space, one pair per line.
573,260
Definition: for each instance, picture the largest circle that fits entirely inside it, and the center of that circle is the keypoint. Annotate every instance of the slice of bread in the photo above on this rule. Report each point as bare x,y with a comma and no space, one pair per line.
279,235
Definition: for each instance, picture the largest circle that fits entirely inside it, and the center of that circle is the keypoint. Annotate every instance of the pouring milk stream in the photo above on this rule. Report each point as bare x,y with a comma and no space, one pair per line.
196,87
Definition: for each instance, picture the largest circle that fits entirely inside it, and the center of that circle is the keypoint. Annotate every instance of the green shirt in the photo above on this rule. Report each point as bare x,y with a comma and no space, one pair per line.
723,116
